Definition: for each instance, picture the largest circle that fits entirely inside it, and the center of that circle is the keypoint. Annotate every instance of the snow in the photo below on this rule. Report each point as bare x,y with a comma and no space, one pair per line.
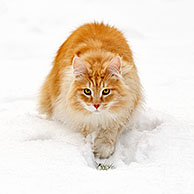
43,156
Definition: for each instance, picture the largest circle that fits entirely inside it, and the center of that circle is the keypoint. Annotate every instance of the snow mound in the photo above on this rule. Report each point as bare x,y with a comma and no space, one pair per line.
43,156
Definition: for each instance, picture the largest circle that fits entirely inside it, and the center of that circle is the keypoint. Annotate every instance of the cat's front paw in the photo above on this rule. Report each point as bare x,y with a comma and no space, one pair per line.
103,149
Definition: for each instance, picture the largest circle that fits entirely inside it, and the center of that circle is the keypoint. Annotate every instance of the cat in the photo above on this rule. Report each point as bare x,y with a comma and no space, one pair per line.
93,85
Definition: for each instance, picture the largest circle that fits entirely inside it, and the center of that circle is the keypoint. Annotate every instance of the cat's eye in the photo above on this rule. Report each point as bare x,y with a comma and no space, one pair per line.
106,91
87,91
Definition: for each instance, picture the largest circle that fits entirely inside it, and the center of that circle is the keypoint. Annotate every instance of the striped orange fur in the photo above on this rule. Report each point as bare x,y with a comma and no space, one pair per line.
93,85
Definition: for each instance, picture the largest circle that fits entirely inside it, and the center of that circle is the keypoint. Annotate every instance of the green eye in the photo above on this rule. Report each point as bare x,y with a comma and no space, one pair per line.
106,91
87,91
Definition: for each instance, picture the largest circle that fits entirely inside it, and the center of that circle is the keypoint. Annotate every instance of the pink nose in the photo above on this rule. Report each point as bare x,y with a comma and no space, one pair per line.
96,105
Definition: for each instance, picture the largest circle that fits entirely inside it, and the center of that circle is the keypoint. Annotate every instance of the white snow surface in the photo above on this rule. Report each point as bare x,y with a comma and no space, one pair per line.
43,156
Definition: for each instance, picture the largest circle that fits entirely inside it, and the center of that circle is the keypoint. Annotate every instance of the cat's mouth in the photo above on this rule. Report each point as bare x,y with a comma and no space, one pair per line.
92,108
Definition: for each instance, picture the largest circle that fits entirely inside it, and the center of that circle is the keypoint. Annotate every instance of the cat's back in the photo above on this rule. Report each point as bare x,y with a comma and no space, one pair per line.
95,36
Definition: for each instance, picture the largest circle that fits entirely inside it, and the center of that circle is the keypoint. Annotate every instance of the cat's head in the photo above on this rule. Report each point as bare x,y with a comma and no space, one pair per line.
98,88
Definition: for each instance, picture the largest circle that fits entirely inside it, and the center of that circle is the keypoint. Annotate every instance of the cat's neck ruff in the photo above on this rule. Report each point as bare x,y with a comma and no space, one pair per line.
78,120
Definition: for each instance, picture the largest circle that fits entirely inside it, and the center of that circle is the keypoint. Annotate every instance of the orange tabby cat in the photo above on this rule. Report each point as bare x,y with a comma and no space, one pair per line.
93,85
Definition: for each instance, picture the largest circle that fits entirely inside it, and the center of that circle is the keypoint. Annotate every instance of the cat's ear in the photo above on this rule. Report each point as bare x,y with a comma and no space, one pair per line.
114,67
79,68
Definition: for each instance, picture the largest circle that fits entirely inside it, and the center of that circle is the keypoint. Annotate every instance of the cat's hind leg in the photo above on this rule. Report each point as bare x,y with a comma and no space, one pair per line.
45,105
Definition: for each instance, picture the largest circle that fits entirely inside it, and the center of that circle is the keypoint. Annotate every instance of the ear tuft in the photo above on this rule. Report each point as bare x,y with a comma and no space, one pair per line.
114,66
79,68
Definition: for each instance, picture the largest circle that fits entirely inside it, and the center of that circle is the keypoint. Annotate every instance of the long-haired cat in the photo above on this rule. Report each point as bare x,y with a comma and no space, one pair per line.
93,85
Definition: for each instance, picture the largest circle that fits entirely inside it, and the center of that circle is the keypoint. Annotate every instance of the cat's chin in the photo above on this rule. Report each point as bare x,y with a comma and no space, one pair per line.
96,112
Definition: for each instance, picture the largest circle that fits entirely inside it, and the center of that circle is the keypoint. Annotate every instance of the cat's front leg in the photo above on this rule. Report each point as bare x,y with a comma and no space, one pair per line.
104,144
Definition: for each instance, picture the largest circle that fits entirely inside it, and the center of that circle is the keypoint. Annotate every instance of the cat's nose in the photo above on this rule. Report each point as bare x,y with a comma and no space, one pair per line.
96,105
